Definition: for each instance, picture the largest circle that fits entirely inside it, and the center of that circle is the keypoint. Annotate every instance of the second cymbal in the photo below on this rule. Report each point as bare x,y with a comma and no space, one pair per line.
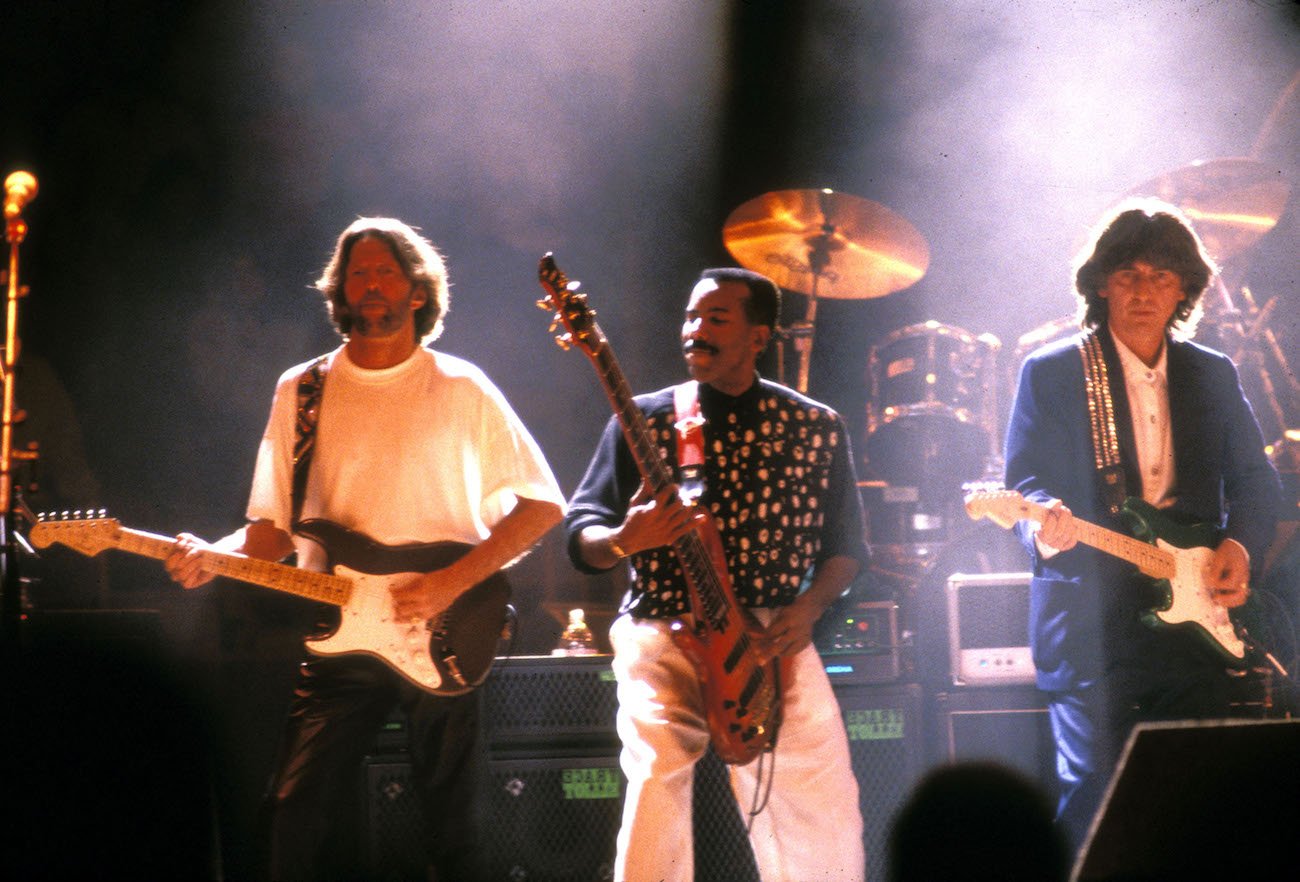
1232,201
832,244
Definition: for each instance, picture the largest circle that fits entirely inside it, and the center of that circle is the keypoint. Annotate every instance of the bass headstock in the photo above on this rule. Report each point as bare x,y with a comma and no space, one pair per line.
569,306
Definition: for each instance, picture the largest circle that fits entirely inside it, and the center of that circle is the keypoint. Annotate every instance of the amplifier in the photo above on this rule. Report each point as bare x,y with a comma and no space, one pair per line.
553,819
550,704
887,750
1008,725
988,629
858,642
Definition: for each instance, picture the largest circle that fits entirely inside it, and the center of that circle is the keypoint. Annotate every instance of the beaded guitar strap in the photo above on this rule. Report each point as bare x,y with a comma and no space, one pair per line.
1101,415
311,385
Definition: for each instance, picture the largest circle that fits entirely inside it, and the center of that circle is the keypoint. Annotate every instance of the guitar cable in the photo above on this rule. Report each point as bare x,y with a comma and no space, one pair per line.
1257,649
762,785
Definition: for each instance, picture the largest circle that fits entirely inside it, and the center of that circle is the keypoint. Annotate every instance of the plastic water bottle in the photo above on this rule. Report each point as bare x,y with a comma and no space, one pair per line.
577,639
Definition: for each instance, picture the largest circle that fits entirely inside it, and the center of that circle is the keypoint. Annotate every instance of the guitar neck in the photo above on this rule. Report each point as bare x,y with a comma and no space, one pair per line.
1152,561
322,587
645,452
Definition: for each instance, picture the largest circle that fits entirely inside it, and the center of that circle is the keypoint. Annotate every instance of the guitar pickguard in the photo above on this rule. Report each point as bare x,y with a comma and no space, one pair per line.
1189,600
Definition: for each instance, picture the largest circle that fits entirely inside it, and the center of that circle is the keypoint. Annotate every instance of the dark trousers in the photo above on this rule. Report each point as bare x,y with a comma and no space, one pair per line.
1173,680
313,807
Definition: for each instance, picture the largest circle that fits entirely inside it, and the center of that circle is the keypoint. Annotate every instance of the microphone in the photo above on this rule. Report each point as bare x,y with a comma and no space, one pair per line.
20,188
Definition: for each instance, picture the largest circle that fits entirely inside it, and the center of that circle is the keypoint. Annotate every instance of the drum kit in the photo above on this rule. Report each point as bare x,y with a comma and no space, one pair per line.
933,420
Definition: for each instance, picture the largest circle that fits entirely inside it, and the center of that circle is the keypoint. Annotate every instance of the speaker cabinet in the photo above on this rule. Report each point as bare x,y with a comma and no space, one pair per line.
554,789
1008,725
393,827
553,819
886,747
549,704
1216,800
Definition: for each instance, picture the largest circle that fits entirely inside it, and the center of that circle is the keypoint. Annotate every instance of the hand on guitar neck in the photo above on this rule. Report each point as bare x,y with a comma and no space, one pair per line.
417,598
1227,571
653,520
260,539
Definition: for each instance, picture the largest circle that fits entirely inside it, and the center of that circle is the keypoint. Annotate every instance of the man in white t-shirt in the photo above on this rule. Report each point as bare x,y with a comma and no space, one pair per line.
411,446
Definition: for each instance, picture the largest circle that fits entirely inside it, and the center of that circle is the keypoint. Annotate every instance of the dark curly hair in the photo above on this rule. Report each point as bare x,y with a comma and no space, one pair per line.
1151,231
420,262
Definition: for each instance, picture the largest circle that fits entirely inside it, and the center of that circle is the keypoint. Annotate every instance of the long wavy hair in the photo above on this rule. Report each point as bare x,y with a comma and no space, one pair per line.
1157,233
420,262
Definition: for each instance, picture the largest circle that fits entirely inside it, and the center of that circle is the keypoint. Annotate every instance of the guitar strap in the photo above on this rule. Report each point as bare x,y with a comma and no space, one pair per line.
690,440
1101,415
311,386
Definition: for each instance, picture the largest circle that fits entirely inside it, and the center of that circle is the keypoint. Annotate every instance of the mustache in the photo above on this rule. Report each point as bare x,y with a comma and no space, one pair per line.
698,346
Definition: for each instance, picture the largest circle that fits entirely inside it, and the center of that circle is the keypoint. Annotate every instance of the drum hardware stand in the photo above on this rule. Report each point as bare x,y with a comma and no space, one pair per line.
1248,352
20,187
801,332
819,259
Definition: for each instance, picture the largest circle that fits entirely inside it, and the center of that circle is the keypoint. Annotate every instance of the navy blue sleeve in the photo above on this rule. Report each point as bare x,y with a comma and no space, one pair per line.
844,529
602,496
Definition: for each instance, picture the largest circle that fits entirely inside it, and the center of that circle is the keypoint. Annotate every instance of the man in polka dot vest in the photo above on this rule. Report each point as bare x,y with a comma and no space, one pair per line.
779,484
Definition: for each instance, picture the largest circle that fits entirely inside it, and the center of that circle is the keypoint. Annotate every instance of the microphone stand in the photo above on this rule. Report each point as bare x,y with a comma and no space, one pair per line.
10,582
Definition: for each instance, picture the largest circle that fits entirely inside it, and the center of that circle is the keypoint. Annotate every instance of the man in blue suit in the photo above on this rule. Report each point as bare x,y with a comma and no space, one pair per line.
1188,443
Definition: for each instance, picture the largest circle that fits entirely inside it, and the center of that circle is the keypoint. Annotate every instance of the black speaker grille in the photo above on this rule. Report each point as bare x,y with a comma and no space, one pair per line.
886,747
393,825
993,614
1005,725
551,704
722,849
553,819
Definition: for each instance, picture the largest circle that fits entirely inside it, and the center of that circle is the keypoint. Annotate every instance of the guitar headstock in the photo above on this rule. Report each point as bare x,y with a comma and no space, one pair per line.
1002,507
89,534
570,307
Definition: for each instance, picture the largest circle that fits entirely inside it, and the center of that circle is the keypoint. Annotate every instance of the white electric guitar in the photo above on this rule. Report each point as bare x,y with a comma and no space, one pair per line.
448,655
1175,556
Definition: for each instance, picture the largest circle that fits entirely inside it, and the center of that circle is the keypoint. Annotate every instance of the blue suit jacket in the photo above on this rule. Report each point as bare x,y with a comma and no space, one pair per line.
1084,604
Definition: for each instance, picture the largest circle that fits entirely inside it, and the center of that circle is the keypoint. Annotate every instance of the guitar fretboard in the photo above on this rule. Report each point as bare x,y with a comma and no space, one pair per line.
1153,561
322,587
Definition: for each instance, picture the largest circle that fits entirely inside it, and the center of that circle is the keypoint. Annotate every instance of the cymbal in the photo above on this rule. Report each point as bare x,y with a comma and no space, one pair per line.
832,244
1232,202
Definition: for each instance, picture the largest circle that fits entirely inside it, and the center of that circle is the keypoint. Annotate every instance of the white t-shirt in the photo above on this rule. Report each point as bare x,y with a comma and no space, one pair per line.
426,451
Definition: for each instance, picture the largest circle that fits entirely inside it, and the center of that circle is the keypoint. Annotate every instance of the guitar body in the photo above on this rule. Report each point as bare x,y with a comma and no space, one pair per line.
1186,601
449,655
742,698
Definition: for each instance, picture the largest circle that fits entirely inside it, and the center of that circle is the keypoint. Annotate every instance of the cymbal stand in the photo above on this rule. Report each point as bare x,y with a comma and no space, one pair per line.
1247,351
10,583
819,258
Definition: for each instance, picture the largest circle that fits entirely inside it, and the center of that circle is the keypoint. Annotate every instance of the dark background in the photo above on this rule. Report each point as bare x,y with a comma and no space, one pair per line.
196,161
